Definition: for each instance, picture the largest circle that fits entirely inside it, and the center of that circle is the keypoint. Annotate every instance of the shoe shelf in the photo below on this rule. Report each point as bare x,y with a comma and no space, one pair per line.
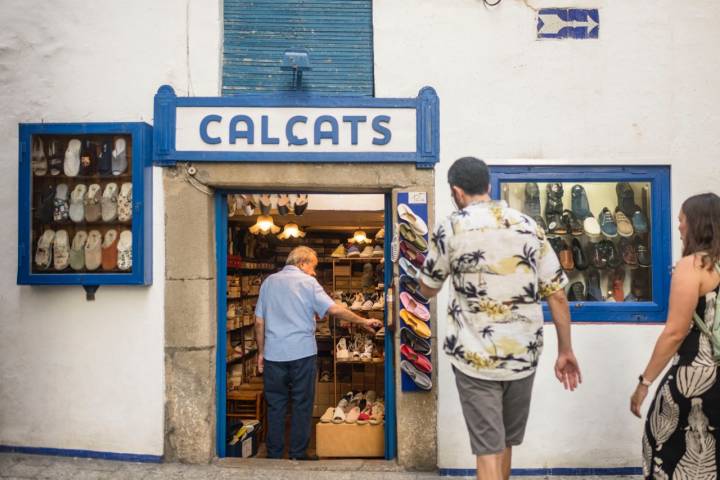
610,229
85,204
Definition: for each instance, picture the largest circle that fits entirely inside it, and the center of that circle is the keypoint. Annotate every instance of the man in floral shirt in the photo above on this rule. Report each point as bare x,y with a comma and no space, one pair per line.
500,265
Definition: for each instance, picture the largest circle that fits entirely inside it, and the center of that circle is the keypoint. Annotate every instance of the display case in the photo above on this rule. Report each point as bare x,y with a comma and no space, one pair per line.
85,204
610,227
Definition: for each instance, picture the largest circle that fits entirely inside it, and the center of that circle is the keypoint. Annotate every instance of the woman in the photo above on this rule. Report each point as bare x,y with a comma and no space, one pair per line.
683,422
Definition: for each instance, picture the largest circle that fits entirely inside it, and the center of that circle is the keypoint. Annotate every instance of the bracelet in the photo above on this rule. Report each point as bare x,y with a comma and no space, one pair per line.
644,382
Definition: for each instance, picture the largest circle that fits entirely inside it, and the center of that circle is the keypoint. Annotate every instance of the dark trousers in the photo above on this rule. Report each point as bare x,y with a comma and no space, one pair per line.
283,381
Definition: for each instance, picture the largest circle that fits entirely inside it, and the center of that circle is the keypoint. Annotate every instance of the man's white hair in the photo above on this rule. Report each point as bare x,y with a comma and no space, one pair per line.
301,255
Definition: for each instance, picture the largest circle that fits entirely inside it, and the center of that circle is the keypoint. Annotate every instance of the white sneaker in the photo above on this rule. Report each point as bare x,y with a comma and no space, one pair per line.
367,352
380,304
591,227
341,350
358,302
367,252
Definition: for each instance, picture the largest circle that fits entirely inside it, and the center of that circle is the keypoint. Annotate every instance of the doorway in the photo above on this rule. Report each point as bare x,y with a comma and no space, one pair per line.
255,231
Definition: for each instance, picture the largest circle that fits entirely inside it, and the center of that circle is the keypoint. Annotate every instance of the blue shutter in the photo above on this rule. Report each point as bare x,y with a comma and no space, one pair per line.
336,33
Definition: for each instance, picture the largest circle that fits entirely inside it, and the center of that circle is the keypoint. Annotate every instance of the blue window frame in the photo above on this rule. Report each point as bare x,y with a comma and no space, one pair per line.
658,208
137,138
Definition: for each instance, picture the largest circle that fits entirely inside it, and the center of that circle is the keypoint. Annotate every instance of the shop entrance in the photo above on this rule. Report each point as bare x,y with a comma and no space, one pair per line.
255,232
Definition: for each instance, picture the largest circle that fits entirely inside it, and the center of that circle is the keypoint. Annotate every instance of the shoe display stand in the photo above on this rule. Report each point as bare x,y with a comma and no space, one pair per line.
85,204
410,246
609,227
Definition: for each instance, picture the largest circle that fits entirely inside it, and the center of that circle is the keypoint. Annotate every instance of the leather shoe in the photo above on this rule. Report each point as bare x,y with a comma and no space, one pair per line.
566,258
643,253
627,250
531,207
594,294
579,258
577,292
597,257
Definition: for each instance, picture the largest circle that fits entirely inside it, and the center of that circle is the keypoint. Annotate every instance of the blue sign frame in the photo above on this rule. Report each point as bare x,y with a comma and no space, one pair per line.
660,248
426,105
141,273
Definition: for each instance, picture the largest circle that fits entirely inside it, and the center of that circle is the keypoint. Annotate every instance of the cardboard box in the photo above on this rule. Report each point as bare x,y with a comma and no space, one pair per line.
350,440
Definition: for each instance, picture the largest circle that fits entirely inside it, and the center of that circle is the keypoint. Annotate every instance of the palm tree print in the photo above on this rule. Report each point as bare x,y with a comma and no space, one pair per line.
528,257
430,270
530,295
468,260
452,347
438,238
454,311
487,332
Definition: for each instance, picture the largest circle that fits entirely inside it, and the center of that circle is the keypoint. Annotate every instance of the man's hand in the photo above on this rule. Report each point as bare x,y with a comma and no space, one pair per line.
371,324
567,370
261,363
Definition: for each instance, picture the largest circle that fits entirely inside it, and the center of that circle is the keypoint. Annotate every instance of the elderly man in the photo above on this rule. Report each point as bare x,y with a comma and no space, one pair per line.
287,351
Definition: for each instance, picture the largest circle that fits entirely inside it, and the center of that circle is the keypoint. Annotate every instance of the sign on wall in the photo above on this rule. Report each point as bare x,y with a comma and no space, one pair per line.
562,23
296,128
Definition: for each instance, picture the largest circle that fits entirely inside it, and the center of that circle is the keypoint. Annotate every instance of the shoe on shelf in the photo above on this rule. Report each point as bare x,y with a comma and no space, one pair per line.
643,253
358,302
624,225
625,198
365,415
367,305
639,221
367,252
328,415
628,252
592,228
378,413
352,415
616,281
576,292
579,257
531,205
640,284
557,244
594,294
555,225
566,258
341,350
367,352
579,202
572,224
614,259
598,258
554,199
380,303
608,227
378,251
353,252
380,234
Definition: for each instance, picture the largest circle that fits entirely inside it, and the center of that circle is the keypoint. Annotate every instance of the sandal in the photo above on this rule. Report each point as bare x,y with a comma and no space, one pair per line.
77,251
38,160
109,202
105,158
92,203
61,250
124,202
119,157
328,415
56,157
124,247
77,205
47,205
248,205
60,210
71,165
109,249
93,255
378,413
283,204
265,204
43,254
88,159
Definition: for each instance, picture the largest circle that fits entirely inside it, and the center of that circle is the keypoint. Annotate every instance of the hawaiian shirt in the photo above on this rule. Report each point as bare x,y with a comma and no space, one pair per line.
500,264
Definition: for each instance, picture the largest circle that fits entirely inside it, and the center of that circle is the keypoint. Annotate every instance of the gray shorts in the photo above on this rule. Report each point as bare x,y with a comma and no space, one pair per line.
496,413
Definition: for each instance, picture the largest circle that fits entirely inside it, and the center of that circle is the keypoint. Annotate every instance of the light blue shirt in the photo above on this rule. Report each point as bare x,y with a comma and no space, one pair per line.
288,303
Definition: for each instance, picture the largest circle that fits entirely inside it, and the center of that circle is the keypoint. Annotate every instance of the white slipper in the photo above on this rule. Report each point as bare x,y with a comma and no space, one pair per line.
408,216
43,254
93,252
338,416
92,203
409,268
60,210
38,159
61,250
125,250
71,166
77,250
124,202
119,157
328,415
109,202
77,205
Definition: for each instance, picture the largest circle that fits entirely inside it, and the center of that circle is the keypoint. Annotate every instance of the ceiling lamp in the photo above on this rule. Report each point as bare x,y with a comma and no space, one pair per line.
359,237
264,225
291,230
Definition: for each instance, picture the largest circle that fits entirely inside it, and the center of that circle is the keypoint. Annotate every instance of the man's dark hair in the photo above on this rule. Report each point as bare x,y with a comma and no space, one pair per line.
471,174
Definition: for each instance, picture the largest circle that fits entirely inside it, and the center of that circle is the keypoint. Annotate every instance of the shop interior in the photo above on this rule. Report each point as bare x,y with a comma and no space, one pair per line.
600,232
347,232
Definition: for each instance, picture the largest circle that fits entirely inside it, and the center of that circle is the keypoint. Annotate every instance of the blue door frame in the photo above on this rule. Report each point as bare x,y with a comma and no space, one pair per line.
221,226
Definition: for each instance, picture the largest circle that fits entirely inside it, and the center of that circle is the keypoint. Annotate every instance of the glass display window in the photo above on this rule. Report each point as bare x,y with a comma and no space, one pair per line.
609,227
83,200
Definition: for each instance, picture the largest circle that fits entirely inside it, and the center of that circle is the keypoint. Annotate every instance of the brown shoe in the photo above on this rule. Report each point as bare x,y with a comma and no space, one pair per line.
109,250
624,225
616,281
628,252
566,258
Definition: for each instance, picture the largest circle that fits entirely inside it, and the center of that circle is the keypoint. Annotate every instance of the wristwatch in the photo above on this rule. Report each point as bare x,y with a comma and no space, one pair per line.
642,381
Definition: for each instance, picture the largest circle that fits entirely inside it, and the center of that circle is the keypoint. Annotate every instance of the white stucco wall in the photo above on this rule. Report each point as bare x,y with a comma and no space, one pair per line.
77,374
644,93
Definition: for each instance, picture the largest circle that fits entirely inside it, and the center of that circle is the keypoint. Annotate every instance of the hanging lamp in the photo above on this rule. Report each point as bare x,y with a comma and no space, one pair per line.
264,225
291,230
359,237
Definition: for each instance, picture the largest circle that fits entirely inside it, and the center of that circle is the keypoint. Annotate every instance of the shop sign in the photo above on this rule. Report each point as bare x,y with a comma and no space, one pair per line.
296,128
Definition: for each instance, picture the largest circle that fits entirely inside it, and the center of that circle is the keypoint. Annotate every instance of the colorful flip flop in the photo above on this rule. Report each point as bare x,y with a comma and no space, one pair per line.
420,328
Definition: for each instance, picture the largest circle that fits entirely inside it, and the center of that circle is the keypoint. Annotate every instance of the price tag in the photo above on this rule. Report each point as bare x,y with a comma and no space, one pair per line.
417,197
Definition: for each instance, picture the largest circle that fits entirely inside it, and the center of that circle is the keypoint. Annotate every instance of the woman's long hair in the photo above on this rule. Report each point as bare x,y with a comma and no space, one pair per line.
702,216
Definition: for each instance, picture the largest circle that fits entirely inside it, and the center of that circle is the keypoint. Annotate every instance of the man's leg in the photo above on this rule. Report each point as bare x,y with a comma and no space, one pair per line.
489,467
275,380
481,402
302,378
506,463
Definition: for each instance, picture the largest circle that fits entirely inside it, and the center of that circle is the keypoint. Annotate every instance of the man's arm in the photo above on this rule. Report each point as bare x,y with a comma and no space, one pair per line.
260,339
344,314
428,292
567,369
